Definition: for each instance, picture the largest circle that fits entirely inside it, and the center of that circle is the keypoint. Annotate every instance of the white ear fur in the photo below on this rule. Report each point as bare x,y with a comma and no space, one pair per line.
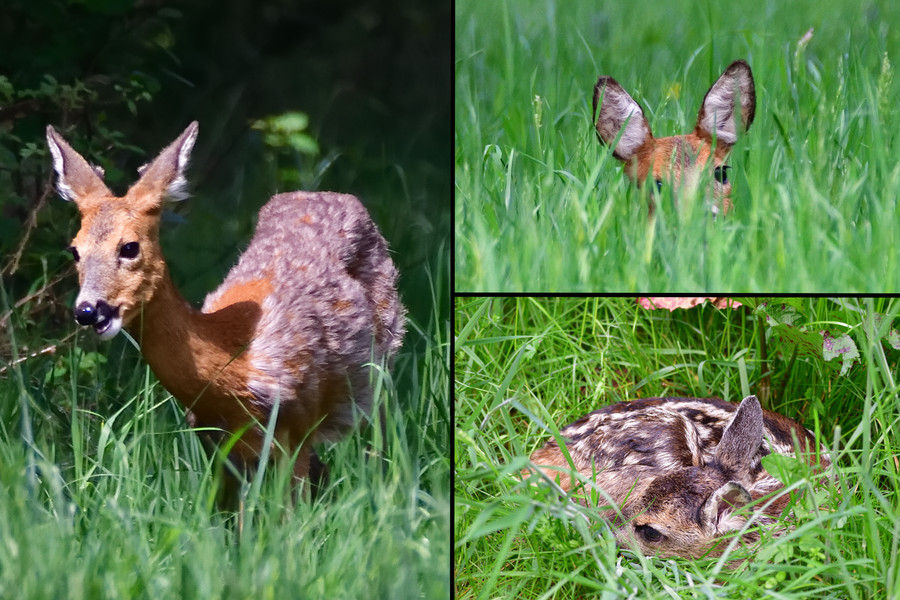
164,176
618,110
75,177
717,113
62,186
177,189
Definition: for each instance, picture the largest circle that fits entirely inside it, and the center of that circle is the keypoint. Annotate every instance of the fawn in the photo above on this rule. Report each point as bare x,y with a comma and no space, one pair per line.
299,322
680,159
681,469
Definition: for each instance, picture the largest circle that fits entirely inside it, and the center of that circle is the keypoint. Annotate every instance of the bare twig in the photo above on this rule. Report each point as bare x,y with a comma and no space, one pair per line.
5,317
30,223
48,350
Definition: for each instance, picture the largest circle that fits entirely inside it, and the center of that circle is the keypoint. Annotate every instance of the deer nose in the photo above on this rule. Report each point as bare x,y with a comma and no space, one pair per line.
88,314
85,314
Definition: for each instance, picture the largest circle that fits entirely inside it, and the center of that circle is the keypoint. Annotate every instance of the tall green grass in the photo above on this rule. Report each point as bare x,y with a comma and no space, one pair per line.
106,493
541,206
524,364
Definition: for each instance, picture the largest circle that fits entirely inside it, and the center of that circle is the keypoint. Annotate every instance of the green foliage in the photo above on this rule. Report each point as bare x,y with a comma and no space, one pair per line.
290,148
815,179
525,366
288,130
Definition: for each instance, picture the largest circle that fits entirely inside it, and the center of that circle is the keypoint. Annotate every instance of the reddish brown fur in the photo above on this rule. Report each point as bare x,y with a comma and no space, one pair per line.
297,322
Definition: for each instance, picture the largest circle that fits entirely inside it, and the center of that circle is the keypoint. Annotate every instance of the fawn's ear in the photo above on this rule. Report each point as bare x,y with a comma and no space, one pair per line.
618,110
717,113
164,177
76,179
741,439
716,513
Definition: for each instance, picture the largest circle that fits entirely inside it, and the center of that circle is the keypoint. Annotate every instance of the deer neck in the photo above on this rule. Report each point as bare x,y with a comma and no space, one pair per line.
197,356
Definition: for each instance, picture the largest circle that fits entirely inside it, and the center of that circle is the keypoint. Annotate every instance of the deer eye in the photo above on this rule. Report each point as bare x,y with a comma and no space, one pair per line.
74,251
129,250
659,185
648,533
721,174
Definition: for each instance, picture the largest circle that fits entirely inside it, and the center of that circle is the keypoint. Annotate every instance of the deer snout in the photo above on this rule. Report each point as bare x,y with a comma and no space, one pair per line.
86,313
103,317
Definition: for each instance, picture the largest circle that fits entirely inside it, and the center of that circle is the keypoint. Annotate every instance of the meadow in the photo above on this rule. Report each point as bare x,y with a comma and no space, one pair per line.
107,492
527,366
540,206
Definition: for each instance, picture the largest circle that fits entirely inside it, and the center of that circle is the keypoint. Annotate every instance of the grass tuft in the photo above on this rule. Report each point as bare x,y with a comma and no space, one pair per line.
815,182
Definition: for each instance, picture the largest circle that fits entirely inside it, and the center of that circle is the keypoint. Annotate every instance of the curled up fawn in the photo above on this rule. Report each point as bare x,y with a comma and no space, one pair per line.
727,110
682,472
299,322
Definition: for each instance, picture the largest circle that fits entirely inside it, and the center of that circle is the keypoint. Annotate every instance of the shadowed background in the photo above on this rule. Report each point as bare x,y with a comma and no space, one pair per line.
122,78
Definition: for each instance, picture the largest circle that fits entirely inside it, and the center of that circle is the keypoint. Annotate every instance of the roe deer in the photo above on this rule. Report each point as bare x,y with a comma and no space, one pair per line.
680,159
679,469
299,322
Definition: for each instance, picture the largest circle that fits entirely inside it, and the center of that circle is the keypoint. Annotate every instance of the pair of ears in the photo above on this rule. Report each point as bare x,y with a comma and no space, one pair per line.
622,125
162,178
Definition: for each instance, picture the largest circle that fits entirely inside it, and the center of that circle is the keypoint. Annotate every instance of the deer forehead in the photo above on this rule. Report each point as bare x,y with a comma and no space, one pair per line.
675,498
106,225
680,153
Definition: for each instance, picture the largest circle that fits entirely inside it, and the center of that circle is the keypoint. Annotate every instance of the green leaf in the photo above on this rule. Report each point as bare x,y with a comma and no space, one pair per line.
784,468
843,347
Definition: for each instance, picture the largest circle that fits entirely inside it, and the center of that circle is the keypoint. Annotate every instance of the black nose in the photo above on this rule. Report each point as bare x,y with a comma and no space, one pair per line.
85,314
88,314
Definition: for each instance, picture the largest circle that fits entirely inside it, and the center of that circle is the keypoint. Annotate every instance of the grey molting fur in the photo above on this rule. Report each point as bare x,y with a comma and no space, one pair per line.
664,464
336,286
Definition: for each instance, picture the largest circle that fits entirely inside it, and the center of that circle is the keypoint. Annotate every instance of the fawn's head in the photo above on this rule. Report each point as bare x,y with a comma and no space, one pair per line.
679,160
681,513
117,249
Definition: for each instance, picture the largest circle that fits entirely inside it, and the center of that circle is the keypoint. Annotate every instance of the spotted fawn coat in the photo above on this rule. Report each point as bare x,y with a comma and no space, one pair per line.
679,468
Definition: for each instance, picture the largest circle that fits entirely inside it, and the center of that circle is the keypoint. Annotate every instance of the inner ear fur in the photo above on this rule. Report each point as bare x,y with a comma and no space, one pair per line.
717,511
618,112
717,119
76,179
164,177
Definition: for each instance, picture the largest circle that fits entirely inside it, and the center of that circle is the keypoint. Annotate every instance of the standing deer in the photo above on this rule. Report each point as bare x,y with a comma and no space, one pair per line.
681,471
679,160
299,322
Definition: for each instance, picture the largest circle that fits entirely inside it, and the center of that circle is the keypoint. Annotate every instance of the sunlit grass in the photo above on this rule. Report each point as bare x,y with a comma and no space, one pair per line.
541,206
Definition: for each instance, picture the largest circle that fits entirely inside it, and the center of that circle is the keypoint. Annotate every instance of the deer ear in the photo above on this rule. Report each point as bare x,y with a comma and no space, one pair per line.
76,179
619,113
717,113
717,512
741,439
164,177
